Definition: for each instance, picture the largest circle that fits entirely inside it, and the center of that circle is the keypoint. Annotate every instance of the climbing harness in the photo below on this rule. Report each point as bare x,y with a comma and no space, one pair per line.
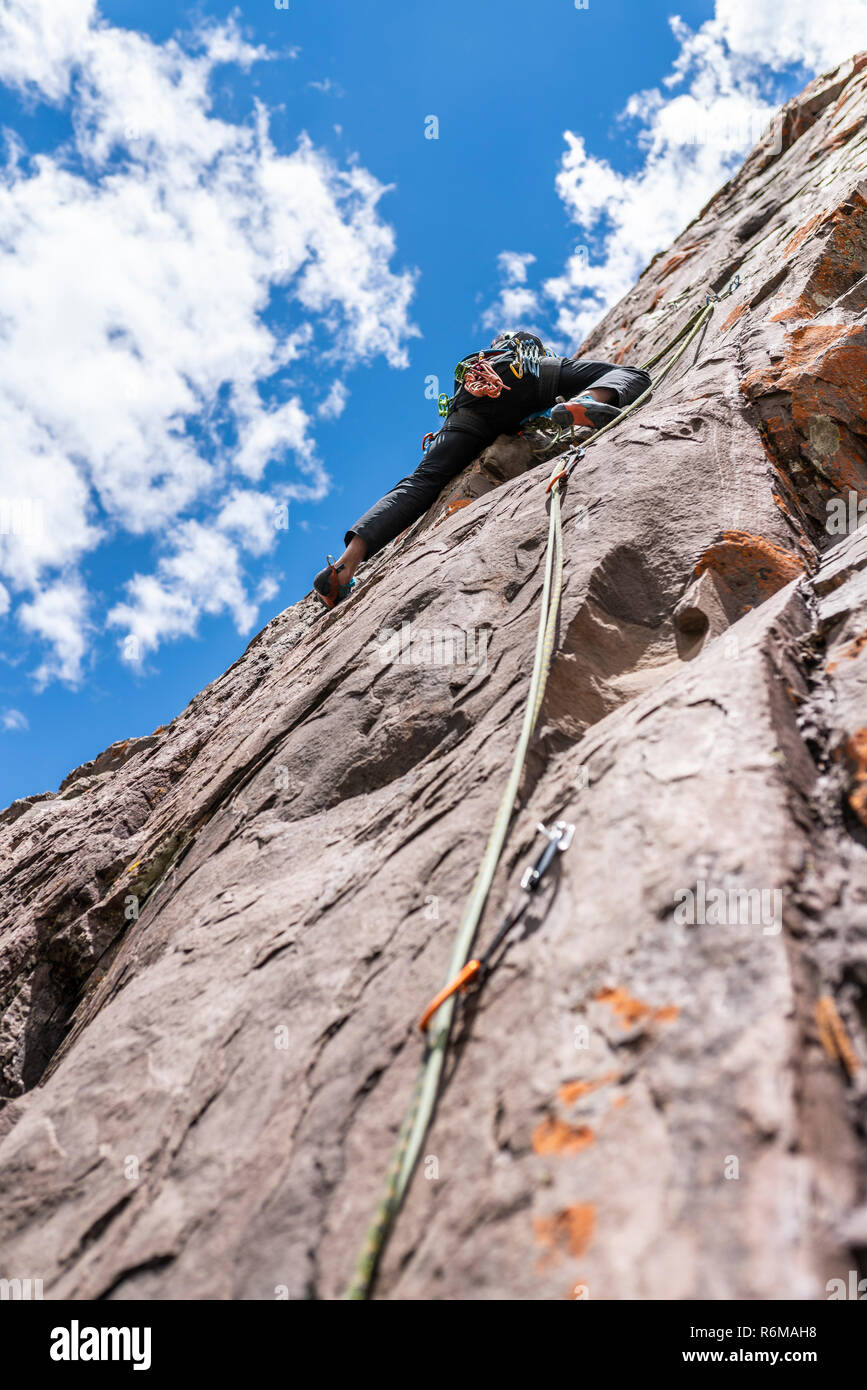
518,351
476,972
439,1013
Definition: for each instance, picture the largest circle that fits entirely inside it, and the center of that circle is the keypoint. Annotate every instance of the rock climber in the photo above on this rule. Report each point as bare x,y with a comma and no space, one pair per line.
496,391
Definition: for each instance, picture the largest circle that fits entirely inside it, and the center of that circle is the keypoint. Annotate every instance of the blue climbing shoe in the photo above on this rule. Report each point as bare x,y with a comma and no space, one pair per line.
583,412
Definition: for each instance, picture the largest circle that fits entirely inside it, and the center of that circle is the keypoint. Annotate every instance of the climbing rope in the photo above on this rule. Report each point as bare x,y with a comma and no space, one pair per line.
482,380
418,1117
438,1020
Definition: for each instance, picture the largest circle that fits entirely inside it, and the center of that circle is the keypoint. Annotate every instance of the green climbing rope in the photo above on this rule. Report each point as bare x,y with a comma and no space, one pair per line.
417,1121
421,1109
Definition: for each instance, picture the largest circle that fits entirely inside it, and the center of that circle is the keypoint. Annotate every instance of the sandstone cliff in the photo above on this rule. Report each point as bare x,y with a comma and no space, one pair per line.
215,941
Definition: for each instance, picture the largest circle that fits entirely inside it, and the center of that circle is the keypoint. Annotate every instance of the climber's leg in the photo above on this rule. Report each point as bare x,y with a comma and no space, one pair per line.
596,392
351,558
450,451
576,375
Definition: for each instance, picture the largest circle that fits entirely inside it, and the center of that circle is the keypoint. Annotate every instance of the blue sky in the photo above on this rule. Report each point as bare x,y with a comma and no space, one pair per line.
208,328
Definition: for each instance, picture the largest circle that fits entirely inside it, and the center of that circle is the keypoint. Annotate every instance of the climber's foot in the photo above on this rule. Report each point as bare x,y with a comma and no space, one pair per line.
584,412
334,583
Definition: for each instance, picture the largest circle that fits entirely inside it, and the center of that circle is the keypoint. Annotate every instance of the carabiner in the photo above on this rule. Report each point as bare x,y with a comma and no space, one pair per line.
559,839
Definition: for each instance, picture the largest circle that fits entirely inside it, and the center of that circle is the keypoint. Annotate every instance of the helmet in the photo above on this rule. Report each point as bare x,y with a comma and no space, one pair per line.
503,340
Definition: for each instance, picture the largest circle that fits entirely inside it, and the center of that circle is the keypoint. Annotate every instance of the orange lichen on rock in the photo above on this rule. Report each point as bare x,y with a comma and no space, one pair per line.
555,1136
631,1011
672,264
737,312
668,1014
833,1035
621,353
456,506
843,234
567,1232
823,351
571,1091
850,652
752,566
801,234
855,749
841,138
813,405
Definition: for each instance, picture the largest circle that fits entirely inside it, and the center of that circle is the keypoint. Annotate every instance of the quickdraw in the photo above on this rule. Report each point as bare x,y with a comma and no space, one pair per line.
431,435
531,357
475,972
443,404
568,465
712,298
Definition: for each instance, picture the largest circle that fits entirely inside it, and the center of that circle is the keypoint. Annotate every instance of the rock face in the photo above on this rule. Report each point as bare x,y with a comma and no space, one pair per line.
215,941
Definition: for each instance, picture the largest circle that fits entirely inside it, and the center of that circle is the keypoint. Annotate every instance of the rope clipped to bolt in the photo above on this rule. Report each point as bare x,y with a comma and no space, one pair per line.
439,1014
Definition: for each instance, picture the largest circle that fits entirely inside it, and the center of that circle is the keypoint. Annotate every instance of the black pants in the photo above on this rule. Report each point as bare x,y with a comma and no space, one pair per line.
474,424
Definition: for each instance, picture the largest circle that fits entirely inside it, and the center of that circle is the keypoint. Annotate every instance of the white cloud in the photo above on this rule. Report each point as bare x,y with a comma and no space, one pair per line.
327,86
201,574
516,306
335,402
692,142
267,589
39,43
253,517
14,721
800,32
139,381
59,615
513,265
693,130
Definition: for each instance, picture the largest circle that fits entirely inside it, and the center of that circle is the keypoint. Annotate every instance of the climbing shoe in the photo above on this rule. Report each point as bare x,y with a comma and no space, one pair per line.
584,412
327,585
